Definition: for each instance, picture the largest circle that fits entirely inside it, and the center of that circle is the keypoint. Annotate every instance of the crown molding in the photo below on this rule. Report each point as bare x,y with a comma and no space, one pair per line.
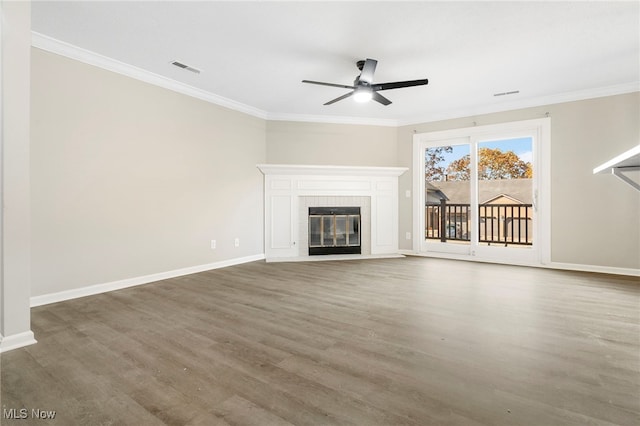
332,119
579,95
53,45
68,50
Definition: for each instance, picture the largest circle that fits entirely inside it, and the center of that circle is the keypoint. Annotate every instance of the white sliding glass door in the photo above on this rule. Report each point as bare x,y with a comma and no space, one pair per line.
477,193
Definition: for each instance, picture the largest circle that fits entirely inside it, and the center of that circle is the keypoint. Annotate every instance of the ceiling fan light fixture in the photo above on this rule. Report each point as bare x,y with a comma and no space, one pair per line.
363,94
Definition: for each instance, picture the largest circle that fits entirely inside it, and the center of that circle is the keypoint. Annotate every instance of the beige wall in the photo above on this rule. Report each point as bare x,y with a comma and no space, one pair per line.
594,218
129,179
15,25
330,144
584,134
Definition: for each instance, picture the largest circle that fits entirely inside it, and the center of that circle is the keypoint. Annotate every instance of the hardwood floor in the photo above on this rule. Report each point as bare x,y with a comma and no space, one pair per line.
410,341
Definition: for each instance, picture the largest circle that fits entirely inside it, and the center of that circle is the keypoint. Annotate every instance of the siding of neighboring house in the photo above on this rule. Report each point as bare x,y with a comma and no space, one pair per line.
505,215
458,192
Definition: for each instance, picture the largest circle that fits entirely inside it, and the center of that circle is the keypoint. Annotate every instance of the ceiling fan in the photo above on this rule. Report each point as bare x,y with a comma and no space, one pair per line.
363,87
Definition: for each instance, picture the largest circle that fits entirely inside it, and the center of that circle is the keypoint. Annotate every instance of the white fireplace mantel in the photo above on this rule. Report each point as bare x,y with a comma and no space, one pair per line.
306,170
286,185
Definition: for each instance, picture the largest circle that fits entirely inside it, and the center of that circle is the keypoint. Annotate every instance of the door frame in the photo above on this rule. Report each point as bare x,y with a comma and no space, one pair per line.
540,129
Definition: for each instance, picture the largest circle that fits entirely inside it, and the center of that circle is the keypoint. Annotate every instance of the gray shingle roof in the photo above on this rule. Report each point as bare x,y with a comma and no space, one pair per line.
457,192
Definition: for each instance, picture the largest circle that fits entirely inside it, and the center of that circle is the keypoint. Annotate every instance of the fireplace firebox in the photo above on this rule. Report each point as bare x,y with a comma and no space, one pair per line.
334,230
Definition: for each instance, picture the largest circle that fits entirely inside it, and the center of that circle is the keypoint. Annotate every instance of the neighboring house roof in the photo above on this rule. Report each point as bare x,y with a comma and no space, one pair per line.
457,192
510,199
434,195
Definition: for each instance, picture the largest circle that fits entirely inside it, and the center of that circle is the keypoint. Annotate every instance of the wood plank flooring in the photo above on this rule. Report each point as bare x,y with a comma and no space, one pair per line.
410,341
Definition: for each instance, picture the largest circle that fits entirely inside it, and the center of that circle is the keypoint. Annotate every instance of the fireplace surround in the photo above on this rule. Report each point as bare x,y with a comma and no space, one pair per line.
307,202
289,191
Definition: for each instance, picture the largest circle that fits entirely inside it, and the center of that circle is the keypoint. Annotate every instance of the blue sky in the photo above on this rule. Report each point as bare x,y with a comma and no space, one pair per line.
521,146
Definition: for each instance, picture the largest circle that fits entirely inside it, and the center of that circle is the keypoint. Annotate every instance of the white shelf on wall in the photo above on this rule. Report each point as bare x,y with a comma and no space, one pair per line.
626,162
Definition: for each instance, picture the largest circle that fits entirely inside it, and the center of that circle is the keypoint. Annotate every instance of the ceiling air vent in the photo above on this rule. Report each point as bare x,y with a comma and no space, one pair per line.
186,67
513,92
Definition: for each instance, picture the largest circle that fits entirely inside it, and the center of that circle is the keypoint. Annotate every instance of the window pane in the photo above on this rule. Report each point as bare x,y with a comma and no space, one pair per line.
505,192
448,193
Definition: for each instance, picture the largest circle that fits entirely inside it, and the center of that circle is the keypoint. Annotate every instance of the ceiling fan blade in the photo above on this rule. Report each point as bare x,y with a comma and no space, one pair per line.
399,84
328,84
379,98
339,98
368,69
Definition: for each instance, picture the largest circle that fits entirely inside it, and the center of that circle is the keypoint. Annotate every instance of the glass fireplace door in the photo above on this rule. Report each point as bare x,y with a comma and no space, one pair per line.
334,230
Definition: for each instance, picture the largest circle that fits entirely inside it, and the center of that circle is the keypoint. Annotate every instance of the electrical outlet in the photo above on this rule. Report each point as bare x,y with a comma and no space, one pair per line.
213,244
407,235
237,242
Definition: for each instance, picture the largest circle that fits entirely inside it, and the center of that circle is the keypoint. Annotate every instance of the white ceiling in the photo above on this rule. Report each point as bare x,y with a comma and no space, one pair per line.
257,53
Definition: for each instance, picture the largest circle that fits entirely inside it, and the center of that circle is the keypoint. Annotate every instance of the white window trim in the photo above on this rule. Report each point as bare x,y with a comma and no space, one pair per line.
541,128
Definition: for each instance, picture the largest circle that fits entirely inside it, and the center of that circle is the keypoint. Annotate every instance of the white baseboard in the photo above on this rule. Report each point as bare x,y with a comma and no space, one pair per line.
15,341
463,257
46,299
551,265
594,268
326,257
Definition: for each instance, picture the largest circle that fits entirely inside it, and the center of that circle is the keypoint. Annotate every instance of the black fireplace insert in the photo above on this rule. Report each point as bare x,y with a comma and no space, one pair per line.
334,230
